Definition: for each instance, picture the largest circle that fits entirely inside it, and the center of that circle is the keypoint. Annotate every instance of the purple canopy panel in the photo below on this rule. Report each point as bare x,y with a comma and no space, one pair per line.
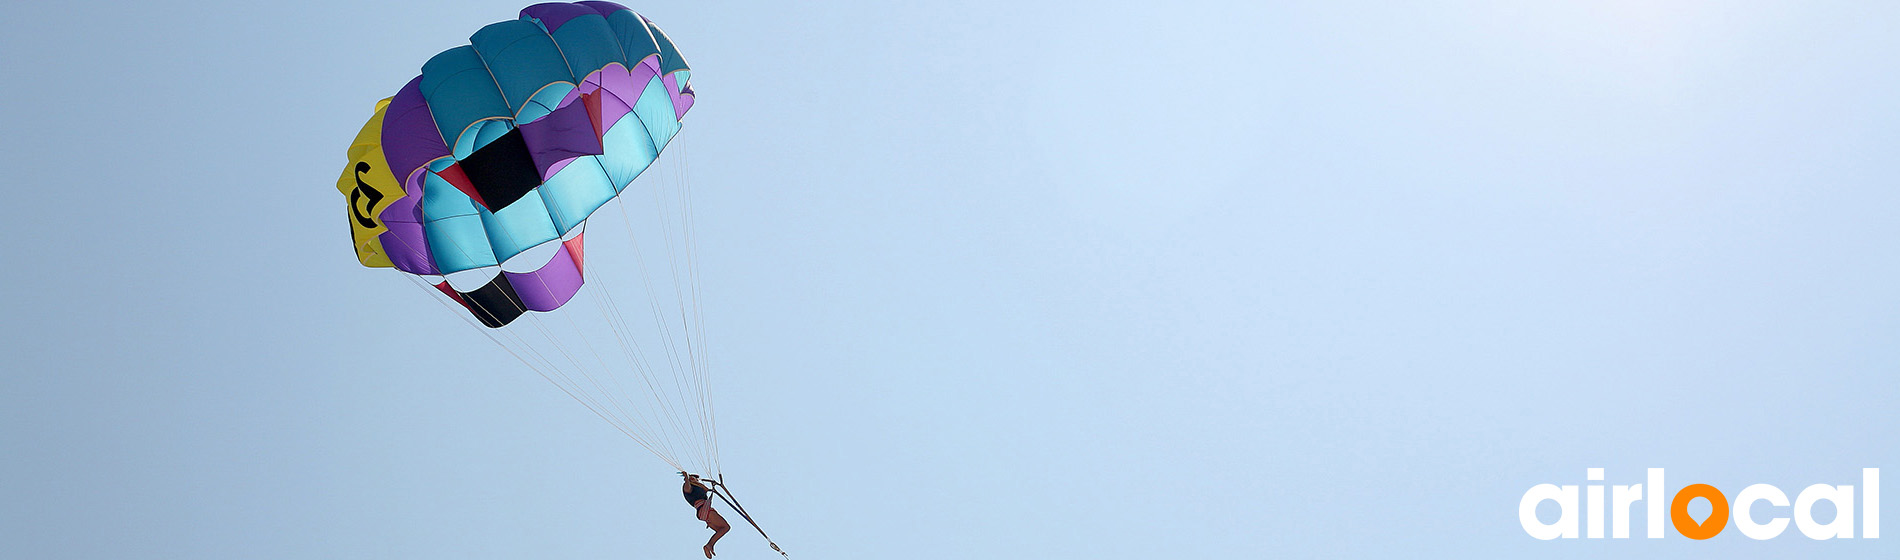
563,134
555,14
410,138
405,242
551,286
681,100
622,89
558,166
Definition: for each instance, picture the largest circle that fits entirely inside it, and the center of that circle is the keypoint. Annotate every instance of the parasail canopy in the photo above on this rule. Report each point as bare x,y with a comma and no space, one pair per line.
480,173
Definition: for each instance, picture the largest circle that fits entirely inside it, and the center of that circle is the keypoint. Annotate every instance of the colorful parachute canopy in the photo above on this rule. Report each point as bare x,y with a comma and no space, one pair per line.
480,173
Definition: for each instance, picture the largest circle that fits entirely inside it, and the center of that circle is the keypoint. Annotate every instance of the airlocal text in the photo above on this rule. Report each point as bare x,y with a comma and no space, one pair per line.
1758,526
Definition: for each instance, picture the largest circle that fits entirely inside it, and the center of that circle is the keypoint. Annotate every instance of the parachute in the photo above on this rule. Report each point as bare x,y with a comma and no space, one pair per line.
502,147
477,180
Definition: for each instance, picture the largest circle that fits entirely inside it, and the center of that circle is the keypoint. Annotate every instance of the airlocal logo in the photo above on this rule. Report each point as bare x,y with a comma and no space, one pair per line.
1650,492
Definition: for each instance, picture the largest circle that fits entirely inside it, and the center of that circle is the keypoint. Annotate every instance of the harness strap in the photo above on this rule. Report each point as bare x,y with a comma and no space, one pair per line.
734,503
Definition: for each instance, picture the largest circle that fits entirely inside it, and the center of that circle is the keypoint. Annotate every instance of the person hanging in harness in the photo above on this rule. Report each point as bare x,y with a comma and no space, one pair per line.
698,494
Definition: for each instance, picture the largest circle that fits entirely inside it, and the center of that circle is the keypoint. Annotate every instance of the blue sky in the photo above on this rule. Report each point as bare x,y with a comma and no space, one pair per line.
988,280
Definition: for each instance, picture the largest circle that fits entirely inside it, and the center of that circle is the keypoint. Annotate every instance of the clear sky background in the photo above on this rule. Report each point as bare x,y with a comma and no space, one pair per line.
986,280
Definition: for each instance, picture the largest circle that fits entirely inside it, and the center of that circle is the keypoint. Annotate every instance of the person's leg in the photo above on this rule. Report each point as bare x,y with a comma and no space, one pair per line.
719,526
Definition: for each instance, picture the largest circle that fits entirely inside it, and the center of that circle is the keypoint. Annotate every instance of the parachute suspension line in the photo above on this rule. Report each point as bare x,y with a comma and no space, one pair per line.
674,193
627,423
637,355
660,316
692,256
629,351
664,437
657,442
677,382
636,361
638,424
641,422
672,182
683,373
687,318
538,370
609,307
632,427
622,421
690,243
689,313
668,416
